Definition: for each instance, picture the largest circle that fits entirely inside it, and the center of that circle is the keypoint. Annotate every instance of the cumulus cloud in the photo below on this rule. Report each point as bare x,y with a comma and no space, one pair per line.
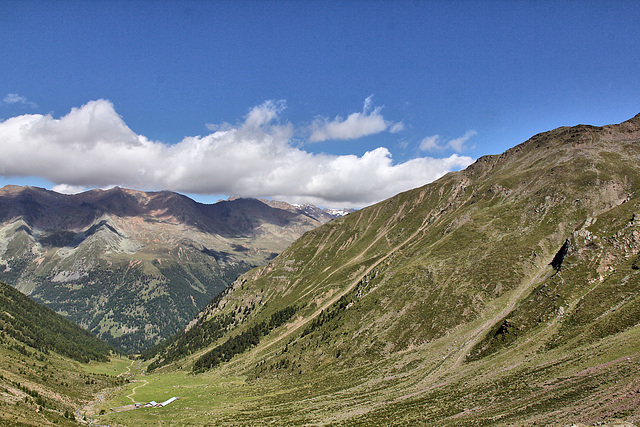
437,143
93,147
356,125
14,98
68,189
214,127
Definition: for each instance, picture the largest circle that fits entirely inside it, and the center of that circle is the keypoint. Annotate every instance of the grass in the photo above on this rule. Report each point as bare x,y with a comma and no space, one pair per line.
418,390
201,397
392,299
42,390
116,366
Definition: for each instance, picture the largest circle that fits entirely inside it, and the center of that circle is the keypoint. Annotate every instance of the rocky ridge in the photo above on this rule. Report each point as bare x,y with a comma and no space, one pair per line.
131,266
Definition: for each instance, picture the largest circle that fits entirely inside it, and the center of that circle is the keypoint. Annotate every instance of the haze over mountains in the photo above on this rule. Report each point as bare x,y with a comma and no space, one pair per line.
134,267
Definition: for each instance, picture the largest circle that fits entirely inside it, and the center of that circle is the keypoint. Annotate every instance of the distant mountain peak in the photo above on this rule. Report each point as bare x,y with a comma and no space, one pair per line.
80,253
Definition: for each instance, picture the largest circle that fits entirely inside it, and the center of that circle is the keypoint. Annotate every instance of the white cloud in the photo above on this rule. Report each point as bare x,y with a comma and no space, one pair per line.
14,98
356,125
213,127
432,143
458,143
93,147
68,189
396,127
437,143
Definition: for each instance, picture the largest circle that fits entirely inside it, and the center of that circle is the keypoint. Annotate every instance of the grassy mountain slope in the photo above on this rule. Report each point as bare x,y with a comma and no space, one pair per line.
42,381
135,267
503,294
42,329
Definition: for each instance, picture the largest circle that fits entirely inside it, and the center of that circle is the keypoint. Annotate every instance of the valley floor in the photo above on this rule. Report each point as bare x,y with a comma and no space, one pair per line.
595,385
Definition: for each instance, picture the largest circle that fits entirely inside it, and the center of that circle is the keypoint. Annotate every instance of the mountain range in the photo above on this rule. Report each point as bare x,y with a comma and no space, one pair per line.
134,267
504,294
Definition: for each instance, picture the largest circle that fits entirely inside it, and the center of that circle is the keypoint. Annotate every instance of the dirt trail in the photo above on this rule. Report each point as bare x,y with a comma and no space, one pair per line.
479,332
335,298
133,391
100,397
420,387
427,222
127,373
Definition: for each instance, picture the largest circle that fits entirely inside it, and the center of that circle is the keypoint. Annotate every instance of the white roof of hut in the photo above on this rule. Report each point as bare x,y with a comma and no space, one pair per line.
166,402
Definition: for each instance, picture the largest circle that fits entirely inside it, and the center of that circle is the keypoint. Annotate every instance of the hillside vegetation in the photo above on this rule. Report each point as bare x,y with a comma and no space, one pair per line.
134,267
42,329
504,294
42,379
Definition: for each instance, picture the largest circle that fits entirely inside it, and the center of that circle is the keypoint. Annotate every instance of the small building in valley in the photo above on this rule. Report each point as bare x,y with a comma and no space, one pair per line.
154,404
166,402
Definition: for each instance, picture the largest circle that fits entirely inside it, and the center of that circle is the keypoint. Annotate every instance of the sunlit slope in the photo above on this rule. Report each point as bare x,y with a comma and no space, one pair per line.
45,373
501,293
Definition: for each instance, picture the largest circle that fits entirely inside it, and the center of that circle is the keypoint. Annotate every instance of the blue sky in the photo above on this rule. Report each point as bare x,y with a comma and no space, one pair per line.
337,103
